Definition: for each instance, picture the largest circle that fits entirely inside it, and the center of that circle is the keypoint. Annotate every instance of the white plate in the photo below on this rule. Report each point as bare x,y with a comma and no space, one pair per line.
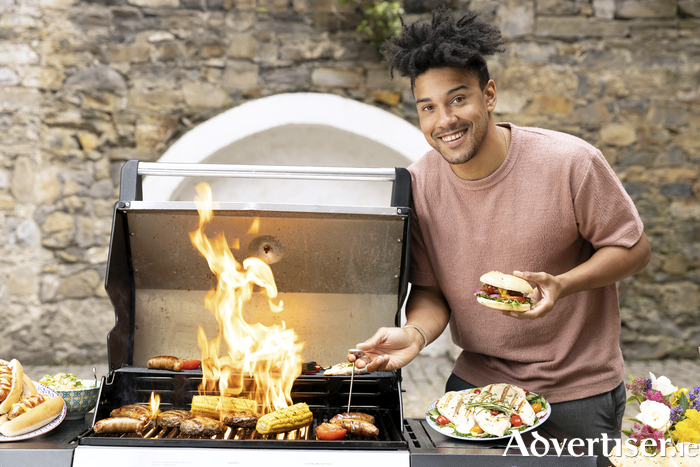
542,415
41,389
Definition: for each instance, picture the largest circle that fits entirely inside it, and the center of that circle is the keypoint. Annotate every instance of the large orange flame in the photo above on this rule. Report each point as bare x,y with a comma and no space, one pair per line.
260,361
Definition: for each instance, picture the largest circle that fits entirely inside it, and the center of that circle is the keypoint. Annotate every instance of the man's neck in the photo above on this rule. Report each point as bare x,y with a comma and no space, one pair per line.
490,156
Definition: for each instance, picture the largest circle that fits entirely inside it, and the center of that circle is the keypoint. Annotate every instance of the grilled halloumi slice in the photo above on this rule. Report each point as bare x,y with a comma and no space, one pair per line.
514,398
495,425
451,405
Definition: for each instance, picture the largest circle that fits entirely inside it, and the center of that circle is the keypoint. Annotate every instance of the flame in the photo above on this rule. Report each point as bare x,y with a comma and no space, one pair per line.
155,404
263,361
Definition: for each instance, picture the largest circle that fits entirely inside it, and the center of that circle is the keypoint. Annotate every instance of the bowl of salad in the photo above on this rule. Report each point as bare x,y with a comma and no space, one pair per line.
80,394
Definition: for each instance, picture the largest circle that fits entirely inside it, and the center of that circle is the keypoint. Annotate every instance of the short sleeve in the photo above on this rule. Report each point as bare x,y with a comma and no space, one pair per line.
605,213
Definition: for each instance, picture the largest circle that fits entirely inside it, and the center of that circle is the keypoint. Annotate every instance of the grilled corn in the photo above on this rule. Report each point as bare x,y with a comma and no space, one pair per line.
286,419
213,406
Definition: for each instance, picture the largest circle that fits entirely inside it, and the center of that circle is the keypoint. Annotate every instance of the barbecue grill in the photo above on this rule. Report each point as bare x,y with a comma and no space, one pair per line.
341,271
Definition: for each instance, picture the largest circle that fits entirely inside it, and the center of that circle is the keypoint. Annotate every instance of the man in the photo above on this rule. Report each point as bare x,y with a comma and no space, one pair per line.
501,197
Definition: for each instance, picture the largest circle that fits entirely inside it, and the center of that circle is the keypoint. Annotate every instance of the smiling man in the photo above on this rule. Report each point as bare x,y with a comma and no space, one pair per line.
501,197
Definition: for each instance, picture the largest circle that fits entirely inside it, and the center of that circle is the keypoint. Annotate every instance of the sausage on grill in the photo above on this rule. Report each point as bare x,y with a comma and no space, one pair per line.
353,416
201,426
136,411
165,363
358,427
119,425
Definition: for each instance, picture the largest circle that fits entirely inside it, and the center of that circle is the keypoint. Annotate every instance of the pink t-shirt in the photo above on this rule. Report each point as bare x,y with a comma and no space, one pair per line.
550,205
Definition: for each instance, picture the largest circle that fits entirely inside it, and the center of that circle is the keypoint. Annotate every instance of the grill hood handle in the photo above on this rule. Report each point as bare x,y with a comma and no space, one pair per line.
133,171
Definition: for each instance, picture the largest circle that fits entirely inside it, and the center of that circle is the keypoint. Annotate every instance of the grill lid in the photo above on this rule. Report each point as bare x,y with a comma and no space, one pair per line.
341,271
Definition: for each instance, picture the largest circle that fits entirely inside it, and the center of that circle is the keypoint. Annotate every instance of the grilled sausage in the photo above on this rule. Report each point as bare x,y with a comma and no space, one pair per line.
165,363
353,416
242,419
25,404
201,426
136,411
358,427
119,425
172,418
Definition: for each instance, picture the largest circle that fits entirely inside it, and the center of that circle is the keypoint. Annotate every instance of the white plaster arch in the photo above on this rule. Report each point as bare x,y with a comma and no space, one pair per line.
378,135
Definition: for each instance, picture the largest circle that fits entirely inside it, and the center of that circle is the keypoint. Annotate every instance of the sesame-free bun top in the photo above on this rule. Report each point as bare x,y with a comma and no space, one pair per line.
506,281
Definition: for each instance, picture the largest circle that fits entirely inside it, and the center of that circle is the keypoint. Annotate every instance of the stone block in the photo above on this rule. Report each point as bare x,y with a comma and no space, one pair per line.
558,7
242,45
98,78
549,104
46,187
58,221
633,9
561,27
198,94
604,9
8,77
385,97
618,134
287,78
13,98
334,78
511,102
17,54
7,203
689,7
44,78
156,99
80,285
22,183
516,18
129,53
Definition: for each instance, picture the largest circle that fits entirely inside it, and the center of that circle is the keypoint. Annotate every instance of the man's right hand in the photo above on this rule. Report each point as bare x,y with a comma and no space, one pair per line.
389,349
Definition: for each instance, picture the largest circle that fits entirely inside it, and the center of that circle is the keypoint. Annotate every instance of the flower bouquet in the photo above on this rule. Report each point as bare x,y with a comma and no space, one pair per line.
666,431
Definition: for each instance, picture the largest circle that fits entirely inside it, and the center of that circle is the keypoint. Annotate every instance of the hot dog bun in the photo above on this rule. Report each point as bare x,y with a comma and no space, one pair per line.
34,418
506,281
16,389
28,388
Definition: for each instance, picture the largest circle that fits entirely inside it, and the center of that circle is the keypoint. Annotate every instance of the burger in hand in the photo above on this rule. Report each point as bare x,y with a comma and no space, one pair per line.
504,292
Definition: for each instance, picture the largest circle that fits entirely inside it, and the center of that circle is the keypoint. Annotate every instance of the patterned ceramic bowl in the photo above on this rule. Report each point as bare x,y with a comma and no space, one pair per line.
80,401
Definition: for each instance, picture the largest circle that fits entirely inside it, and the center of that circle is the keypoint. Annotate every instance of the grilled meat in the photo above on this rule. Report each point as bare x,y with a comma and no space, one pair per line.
165,363
137,411
352,416
119,425
240,419
172,418
201,426
358,427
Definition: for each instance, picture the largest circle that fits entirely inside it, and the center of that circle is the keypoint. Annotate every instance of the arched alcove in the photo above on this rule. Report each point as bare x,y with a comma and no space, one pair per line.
302,129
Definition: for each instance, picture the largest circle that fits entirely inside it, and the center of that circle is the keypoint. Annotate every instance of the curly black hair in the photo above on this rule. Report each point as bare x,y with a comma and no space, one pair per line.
443,42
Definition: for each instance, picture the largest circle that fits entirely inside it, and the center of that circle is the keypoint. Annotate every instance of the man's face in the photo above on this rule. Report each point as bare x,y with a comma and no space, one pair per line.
454,111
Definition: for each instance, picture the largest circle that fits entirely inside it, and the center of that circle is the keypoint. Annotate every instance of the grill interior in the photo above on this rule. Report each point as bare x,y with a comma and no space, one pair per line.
376,394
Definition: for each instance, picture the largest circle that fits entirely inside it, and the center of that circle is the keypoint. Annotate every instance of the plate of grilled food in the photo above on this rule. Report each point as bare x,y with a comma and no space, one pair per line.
489,413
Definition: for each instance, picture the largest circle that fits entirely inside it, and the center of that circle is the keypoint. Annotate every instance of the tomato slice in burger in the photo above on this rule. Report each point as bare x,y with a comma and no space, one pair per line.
329,431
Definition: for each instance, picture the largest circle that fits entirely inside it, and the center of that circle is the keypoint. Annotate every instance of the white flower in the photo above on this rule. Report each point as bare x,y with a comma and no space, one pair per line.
662,384
655,414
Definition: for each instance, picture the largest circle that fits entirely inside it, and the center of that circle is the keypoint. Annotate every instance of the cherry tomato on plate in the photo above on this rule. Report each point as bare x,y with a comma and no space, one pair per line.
477,391
329,431
442,420
515,420
536,408
190,364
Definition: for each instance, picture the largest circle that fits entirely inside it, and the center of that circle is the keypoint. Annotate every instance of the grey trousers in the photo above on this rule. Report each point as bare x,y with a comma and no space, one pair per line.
586,418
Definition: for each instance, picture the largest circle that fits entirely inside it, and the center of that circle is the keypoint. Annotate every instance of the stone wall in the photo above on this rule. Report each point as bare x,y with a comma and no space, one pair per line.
86,85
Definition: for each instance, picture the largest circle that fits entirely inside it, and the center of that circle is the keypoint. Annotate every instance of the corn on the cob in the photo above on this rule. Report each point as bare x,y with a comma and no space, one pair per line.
213,406
286,419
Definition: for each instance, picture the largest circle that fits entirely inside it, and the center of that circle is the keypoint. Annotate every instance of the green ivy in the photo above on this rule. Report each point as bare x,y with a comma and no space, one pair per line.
381,19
